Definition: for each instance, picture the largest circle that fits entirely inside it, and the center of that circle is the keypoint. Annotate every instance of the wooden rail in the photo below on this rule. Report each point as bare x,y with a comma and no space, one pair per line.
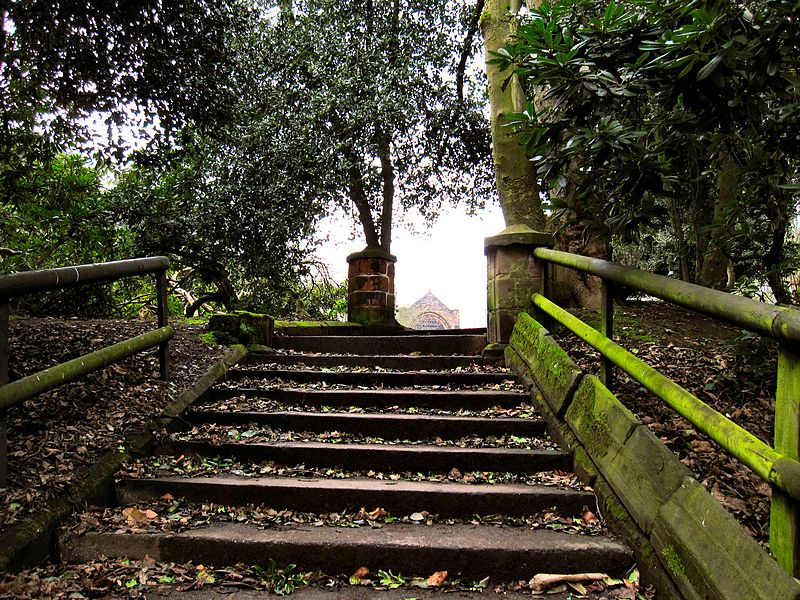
779,464
29,282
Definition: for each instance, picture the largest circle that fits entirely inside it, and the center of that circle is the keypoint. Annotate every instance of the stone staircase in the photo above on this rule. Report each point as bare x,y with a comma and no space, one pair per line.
406,453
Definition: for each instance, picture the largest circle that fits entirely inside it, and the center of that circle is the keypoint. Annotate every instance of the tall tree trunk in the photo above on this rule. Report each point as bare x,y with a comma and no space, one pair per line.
359,198
774,255
714,271
681,247
515,175
387,175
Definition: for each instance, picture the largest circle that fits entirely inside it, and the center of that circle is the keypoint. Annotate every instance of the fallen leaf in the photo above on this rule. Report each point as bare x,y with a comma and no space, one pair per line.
702,447
588,517
135,515
377,514
361,573
437,578
577,587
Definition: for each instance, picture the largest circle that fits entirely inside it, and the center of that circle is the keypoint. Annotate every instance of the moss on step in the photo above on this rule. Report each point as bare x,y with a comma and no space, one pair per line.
555,373
242,327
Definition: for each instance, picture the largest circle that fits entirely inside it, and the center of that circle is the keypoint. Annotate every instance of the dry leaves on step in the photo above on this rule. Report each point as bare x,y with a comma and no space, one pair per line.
360,577
134,515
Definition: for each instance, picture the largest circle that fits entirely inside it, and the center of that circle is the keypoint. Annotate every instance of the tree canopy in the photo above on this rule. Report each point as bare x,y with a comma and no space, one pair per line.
356,104
262,117
164,63
685,115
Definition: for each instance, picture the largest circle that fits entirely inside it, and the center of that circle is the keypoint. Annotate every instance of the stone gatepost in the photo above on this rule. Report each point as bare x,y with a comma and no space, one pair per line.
512,277
370,287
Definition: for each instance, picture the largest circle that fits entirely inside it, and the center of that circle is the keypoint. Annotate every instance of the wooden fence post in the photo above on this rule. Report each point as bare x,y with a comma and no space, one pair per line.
784,520
4,351
607,329
163,317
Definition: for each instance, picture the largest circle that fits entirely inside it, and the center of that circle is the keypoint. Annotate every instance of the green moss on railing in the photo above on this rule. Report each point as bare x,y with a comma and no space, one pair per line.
760,457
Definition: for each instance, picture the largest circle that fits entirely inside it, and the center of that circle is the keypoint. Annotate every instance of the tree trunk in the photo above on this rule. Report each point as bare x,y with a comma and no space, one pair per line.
515,175
466,49
572,288
714,270
681,247
387,175
774,255
358,196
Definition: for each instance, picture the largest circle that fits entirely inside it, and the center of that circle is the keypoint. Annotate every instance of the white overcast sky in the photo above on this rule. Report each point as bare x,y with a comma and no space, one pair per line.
447,259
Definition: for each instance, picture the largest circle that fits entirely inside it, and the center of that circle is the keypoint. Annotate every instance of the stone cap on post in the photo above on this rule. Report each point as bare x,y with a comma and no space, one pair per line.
520,235
371,252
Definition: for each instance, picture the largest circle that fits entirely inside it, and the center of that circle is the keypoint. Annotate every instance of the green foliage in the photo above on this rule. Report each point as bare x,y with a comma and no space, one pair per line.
163,63
280,582
233,241
54,212
258,119
391,580
667,112
350,105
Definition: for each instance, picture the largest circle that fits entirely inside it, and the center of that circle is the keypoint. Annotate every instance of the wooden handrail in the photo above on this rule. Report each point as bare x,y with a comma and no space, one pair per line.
28,282
776,464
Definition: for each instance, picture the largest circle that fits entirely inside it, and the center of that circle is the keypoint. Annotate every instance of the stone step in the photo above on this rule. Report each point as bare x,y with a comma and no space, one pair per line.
390,344
381,457
390,426
371,378
444,400
504,554
448,500
399,362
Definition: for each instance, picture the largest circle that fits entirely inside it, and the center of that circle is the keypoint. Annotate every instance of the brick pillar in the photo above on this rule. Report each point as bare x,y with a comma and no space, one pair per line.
512,277
370,287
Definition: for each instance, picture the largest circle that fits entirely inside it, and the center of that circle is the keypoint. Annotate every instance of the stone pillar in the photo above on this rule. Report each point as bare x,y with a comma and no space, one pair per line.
512,277
370,287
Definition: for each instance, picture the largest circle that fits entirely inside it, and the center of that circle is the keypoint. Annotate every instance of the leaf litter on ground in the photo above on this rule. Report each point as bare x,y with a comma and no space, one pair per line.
198,466
58,434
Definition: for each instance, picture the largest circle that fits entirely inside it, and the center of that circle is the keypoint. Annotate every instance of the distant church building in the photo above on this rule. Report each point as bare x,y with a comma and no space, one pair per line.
428,313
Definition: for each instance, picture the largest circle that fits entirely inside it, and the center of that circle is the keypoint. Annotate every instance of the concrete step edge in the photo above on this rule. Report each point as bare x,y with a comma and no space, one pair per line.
383,457
504,554
321,495
392,426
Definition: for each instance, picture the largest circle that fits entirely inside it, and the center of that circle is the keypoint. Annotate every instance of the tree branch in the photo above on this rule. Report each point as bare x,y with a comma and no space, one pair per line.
466,49
359,197
387,174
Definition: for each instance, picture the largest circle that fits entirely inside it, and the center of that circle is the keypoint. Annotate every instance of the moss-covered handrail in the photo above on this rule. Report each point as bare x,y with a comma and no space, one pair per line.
760,457
13,285
778,322
778,464
28,282
26,388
